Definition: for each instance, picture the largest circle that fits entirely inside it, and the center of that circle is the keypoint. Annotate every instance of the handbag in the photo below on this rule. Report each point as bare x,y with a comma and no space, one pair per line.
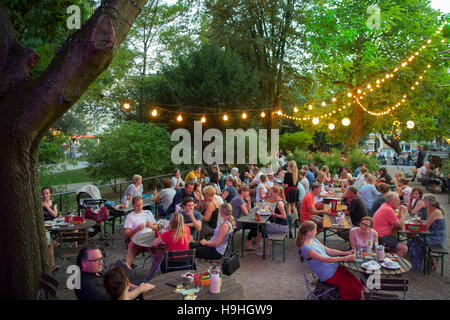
231,264
97,215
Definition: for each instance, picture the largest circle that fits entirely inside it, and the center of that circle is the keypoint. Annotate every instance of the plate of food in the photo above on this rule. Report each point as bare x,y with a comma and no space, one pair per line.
389,264
371,265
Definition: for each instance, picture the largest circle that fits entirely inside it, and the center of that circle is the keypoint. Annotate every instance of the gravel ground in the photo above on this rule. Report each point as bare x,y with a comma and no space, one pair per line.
275,280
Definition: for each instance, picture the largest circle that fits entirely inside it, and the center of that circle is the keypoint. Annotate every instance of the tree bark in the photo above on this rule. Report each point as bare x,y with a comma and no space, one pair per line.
394,144
357,131
29,107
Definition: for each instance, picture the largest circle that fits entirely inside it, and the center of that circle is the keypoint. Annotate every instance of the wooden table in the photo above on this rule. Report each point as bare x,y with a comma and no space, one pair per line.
250,219
330,225
85,225
405,266
230,289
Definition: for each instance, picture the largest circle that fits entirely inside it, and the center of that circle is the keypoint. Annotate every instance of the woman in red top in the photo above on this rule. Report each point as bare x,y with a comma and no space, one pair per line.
176,238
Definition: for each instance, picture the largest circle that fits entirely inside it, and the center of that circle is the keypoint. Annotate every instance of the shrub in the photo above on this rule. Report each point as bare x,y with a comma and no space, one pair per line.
357,156
292,141
132,148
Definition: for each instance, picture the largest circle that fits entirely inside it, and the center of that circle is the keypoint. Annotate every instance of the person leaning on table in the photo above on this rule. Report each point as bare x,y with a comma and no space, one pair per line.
90,262
385,220
320,260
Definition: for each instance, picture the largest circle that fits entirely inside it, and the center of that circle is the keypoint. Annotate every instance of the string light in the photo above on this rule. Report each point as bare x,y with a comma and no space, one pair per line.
295,109
331,126
203,119
263,114
225,117
244,116
410,124
346,121
154,112
310,107
126,106
315,121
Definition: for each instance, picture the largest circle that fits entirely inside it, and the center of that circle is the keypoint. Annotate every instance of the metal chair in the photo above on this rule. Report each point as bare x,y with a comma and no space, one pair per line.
317,290
48,284
80,238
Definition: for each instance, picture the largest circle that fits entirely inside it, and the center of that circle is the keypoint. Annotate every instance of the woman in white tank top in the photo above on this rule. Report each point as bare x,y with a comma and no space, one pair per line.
364,237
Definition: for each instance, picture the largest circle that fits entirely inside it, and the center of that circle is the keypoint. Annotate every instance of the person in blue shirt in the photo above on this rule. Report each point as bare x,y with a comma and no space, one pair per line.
320,259
192,218
309,174
187,191
368,192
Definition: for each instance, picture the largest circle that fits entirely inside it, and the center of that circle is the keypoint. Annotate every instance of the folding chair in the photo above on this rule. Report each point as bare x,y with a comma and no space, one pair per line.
180,260
48,284
317,290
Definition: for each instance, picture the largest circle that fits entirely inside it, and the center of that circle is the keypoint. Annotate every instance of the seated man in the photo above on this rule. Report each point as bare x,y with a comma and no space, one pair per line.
194,175
385,220
356,209
90,262
137,222
422,171
308,210
192,218
187,191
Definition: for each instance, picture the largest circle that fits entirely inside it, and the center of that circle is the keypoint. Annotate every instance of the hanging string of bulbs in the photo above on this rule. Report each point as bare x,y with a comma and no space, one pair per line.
356,94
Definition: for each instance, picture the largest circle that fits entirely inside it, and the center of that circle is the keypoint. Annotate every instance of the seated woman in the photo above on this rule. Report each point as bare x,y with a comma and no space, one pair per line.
262,188
404,191
177,181
235,175
116,284
214,181
318,201
416,205
50,211
176,238
215,248
166,195
363,237
198,195
210,212
134,189
327,268
230,189
436,224
384,176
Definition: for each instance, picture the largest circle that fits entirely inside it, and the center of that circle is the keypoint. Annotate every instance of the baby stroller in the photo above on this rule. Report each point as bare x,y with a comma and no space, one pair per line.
91,204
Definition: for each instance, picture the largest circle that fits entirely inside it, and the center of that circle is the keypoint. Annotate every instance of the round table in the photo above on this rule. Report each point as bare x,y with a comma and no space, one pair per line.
405,266
85,225
230,289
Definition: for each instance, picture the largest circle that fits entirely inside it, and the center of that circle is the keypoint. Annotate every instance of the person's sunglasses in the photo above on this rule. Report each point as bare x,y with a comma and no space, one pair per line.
367,225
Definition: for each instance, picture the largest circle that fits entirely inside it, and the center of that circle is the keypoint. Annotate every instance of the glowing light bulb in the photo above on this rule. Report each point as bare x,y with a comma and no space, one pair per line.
359,91
279,112
323,104
331,126
429,41
126,106
203,120
263,114
333,99
295,109
315,121
349,94
369,86
225,117
154,112
387,76
310,107
244,116
346,121
410,124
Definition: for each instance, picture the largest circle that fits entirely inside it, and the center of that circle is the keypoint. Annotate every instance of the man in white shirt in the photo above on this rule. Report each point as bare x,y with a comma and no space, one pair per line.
423,169
137,222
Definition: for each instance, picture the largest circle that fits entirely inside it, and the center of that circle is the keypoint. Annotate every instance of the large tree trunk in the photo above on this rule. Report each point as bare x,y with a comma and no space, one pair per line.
29,107
394,144
357,124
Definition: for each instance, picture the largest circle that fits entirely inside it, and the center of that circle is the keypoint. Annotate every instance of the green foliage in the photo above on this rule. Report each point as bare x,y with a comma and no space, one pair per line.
357,156
52,148
131,148
445,168
301,157
291,141
333,160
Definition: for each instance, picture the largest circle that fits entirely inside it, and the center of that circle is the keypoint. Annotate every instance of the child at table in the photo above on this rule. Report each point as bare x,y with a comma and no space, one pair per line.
327,268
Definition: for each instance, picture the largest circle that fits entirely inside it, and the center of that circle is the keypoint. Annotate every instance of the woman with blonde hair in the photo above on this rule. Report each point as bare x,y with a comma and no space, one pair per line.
291,192
216,247
210,212
320,260
134,189
176,237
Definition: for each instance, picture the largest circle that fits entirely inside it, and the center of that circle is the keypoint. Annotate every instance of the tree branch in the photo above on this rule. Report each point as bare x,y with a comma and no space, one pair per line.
80,60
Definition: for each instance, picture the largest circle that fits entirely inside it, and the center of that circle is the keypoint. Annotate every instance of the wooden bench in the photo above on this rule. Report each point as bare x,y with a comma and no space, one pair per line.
386,284
277,239
436,252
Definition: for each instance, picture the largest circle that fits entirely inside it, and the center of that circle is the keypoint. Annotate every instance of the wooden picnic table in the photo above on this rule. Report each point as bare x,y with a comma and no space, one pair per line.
405,266
330,225
229,290
71,227
250,219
